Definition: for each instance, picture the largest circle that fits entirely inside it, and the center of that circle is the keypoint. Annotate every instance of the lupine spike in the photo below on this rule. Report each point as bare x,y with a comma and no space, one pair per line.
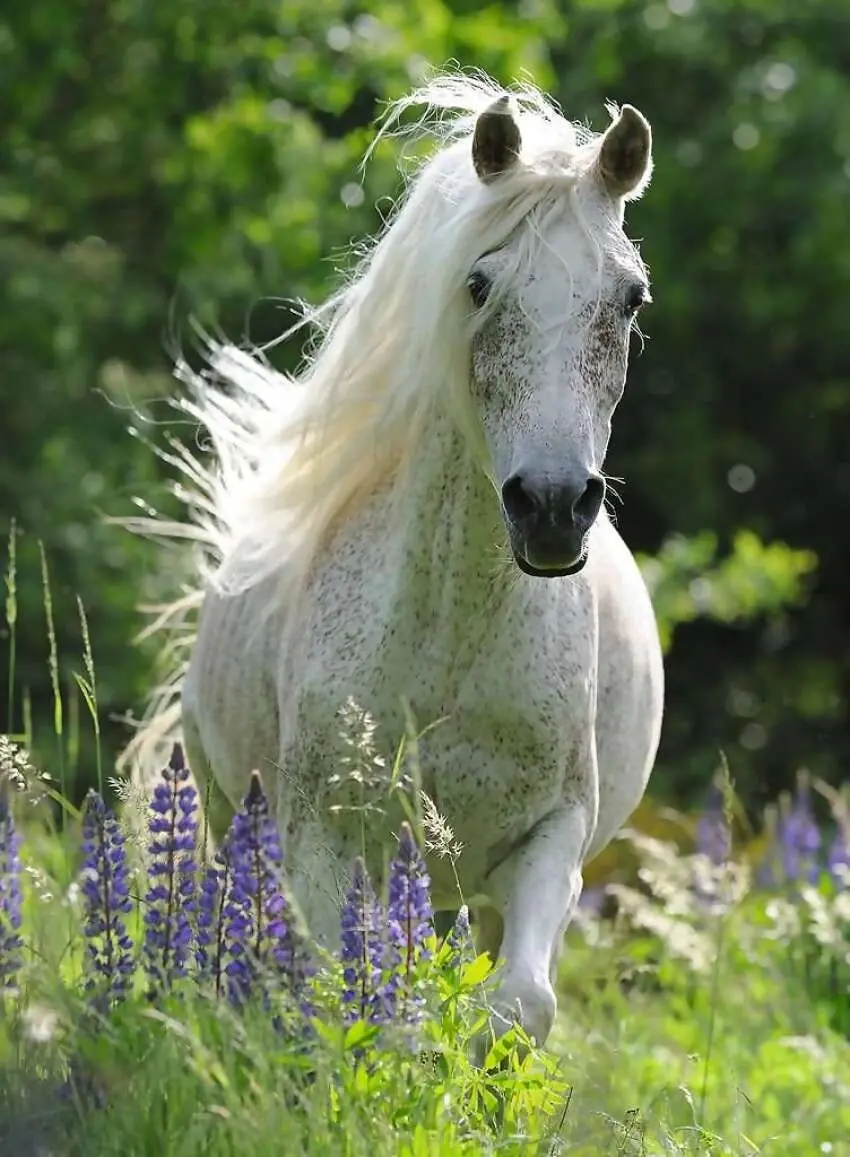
460,937
838,856
713,836
211,947
105,887
11,897
409,924
171,899
799,834
259,935
362,953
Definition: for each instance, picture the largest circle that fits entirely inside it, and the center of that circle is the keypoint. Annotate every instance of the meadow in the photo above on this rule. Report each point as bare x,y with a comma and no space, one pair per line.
156,1001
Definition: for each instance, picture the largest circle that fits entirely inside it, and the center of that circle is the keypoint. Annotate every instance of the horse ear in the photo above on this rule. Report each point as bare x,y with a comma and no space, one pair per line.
497,141
625,155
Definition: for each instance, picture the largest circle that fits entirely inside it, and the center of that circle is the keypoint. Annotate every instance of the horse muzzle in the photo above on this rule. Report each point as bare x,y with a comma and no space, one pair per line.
548,519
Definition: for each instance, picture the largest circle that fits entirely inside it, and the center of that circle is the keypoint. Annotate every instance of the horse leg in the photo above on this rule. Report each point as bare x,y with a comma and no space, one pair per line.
489,929
318,873
536,889
214,808
558,947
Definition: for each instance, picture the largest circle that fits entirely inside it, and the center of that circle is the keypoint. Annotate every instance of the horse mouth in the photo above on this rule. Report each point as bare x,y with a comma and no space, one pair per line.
557,569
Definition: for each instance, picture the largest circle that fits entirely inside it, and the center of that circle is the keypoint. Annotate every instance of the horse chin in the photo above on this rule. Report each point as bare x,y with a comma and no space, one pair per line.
551,572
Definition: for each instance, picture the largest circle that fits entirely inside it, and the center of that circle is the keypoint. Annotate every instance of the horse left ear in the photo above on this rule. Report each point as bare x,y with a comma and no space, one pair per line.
625,155
496,142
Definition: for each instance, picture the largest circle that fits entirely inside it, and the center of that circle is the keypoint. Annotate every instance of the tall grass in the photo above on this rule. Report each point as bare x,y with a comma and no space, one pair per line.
53,667
11,612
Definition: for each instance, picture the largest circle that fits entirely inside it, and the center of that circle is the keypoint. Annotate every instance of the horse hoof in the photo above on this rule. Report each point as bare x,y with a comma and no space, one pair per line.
530,1003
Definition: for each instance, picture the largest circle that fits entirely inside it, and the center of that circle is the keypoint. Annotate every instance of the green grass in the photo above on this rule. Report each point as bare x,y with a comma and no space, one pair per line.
629,1070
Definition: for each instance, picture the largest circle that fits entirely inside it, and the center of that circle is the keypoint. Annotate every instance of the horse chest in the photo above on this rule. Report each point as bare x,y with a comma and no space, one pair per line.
505,707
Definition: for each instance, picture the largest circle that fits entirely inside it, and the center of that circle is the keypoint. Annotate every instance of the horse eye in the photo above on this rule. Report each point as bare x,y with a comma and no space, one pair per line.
479,286
637,296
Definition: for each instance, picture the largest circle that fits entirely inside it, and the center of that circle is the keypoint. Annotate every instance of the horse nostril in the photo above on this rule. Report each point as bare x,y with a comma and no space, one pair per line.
586,506
519,499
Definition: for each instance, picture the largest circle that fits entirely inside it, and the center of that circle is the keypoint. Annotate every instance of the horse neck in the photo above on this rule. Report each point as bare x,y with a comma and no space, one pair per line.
451,532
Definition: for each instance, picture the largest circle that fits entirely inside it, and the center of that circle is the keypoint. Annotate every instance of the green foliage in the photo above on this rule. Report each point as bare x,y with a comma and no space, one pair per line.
815,924
706,1019
186,1072
703,1009
687,581
633,1075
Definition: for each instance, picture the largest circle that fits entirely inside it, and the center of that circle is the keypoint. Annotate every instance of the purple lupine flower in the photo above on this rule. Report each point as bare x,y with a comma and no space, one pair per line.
171,896
713,836
799,834
460,935
259,936
105,887
838,856
10,897
459,940
211,946
362,952
592,899
409,924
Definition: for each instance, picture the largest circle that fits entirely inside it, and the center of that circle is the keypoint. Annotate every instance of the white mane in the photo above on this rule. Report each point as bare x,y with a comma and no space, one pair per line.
292,454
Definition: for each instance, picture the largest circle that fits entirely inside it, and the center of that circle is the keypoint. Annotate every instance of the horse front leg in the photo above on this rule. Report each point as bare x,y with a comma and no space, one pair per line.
536,889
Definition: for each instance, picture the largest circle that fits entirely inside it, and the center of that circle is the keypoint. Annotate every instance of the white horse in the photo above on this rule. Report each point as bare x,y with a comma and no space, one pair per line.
416,522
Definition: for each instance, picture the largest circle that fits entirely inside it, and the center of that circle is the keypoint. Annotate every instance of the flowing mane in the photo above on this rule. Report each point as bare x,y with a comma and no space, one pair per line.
290,455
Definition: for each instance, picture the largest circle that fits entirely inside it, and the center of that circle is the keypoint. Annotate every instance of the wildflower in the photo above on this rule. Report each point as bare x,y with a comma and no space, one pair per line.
799,834
16,766
170,899
838,856
362,951
258,934
39,1023
459,939
10,897
409,924
592,900
367,776
713,836
439,834
106,899
211,947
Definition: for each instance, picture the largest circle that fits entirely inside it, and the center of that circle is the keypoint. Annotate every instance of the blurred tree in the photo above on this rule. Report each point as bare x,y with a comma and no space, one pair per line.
166,159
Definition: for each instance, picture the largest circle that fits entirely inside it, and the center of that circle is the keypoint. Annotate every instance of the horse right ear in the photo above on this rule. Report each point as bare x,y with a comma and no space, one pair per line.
625,155
497,141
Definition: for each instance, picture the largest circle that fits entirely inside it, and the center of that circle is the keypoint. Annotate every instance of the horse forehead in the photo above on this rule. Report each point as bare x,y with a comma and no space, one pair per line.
594,245
566,291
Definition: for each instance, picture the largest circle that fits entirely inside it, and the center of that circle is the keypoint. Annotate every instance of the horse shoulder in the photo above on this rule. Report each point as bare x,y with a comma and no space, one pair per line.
630,694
